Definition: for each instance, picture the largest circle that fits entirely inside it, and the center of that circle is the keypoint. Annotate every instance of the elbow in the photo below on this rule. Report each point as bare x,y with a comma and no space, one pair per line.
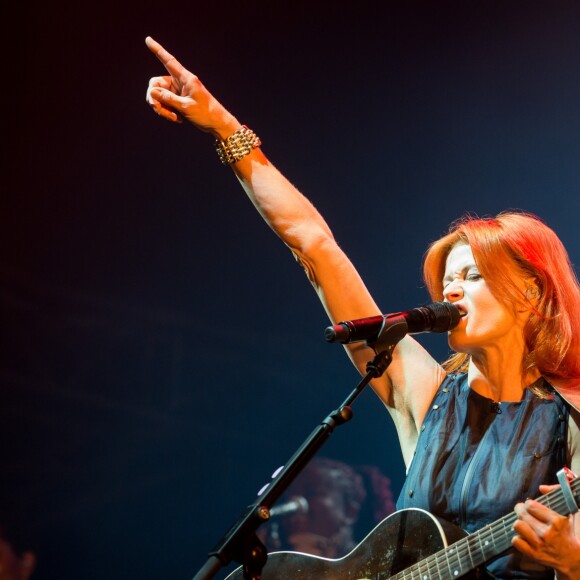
313,249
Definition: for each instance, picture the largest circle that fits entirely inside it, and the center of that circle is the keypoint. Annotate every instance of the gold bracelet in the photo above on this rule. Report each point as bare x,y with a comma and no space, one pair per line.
237,145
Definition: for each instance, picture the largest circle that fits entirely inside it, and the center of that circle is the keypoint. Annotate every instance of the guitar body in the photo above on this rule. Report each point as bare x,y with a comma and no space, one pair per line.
399,541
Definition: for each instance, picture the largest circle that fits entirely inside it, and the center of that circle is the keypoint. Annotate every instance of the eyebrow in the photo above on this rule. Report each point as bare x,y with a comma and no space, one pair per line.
466,268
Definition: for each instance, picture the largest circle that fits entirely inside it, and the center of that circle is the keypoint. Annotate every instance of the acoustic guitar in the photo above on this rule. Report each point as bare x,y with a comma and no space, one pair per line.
412,544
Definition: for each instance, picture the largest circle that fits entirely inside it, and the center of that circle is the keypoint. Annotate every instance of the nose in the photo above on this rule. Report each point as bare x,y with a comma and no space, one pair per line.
453,291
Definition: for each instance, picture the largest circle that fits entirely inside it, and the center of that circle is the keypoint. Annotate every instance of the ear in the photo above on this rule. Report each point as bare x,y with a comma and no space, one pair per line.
532,290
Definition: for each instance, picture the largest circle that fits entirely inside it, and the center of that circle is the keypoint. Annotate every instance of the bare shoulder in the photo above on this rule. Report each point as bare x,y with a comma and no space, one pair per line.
574,452
574,440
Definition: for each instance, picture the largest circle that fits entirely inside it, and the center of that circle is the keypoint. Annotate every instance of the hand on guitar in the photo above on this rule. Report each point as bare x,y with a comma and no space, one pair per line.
547,537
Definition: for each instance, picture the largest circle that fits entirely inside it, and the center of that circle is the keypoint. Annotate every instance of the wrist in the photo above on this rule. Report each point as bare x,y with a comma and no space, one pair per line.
570,573
237,145
226,128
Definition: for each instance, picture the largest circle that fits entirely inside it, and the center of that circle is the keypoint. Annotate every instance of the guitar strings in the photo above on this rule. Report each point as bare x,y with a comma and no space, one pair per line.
473,546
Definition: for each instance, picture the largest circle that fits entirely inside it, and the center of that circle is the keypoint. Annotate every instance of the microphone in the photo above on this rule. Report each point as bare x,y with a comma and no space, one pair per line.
297,505
436,317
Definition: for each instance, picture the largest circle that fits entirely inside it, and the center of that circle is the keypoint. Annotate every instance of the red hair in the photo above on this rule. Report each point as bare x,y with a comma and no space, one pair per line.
512,247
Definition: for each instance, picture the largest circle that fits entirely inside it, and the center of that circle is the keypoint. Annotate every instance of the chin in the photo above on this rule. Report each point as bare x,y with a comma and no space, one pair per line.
459,346
454,341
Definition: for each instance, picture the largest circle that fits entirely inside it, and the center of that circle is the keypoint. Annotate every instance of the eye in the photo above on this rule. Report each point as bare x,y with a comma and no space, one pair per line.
474,276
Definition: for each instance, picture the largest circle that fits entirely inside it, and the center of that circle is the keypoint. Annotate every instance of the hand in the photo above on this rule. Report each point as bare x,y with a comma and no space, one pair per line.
547,537
181,95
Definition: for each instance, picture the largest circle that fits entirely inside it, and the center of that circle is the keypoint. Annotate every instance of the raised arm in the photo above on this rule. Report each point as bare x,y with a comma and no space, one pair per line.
413,375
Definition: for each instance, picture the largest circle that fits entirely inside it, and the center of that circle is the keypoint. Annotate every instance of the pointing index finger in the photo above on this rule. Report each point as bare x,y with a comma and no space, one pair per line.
172,65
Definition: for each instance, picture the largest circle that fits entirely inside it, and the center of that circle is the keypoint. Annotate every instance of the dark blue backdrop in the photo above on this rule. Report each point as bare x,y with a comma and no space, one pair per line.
161,352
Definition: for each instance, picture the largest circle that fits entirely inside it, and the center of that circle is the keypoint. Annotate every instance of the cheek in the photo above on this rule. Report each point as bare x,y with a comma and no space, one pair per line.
487,318
487,308
490,317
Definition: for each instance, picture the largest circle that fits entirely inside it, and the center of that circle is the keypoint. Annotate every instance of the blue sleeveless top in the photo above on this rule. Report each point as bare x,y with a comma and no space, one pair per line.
475,459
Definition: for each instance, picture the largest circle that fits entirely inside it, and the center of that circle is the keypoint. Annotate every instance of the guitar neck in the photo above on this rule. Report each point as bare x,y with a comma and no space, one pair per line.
480,547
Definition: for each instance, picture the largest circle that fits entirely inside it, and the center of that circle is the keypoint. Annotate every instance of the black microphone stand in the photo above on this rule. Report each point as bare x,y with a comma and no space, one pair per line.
241,543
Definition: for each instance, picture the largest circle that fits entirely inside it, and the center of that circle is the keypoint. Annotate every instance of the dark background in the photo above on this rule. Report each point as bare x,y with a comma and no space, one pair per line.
161,353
